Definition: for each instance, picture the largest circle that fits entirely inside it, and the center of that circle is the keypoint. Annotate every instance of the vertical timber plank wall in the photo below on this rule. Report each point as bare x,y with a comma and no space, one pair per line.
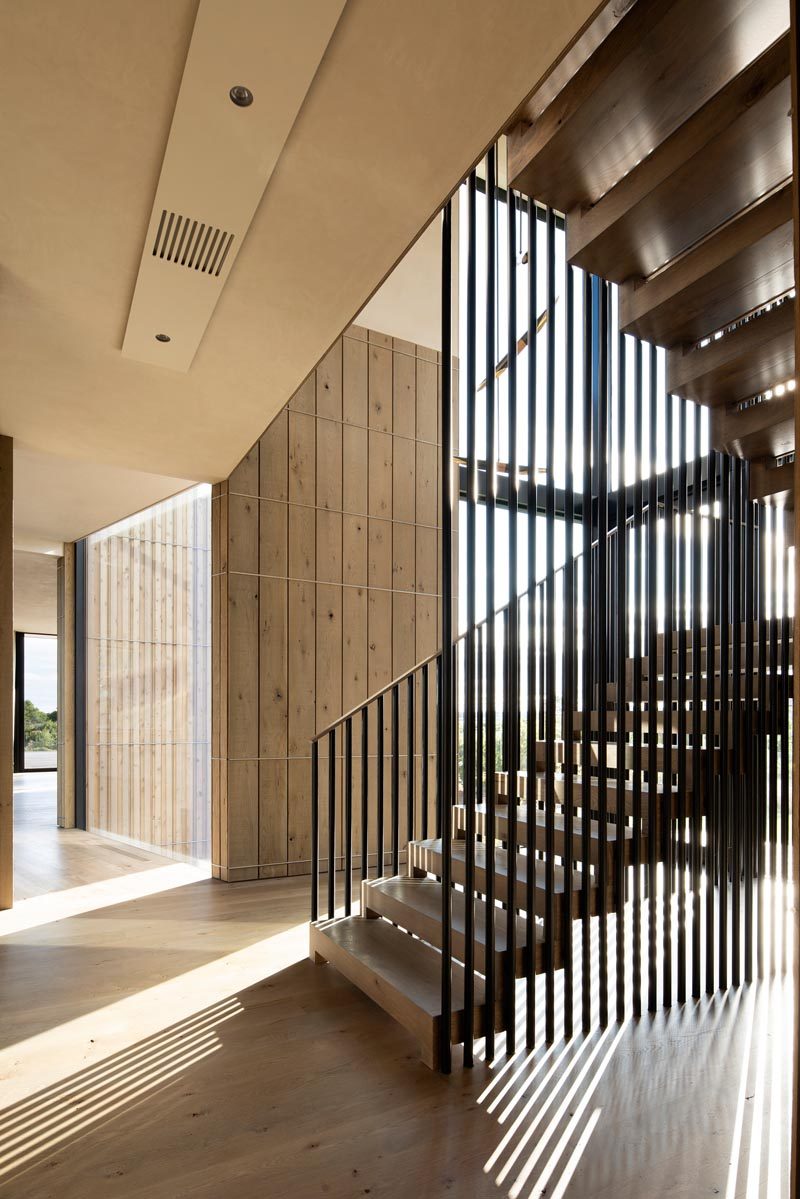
325,586
147,678
66,687
6,672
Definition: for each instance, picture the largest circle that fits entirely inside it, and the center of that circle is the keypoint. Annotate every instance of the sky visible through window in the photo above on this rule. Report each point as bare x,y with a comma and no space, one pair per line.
41,671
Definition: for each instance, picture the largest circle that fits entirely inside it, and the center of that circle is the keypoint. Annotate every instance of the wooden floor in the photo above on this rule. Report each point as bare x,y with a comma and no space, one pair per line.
166,1037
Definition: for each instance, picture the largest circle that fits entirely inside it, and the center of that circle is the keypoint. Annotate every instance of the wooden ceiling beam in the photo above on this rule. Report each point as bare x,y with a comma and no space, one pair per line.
736,269
744,363
661,63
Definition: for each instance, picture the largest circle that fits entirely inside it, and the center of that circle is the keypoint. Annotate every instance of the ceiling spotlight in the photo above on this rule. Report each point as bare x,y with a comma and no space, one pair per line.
163,337
241,96
780,389
791,385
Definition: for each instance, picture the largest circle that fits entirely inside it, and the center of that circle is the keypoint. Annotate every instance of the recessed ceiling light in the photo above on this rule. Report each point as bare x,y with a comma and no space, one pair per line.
241,96
163,337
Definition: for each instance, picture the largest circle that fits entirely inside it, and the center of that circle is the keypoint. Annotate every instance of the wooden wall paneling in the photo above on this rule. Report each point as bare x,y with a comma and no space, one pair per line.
329,546
354,651
274,640
379,646
403,480
354,550
6,672
244,479
380,386
354,469
305,399
379,566
329,384
243,540
273,817
329,465
328,690
380,475
403,632
302,666
426,476
273,538
274,459
243,806
403,558
302,550
404,392
302,458
427,402
354,381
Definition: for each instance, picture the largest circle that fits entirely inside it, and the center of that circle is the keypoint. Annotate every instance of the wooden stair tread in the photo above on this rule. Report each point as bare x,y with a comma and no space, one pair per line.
400,973
747,361
416,905
695,179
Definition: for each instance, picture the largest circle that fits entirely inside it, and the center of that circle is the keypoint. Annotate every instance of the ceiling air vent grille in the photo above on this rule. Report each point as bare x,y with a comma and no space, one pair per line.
192,244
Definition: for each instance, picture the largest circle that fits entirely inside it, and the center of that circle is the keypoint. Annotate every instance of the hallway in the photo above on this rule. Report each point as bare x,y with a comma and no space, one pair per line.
166,1036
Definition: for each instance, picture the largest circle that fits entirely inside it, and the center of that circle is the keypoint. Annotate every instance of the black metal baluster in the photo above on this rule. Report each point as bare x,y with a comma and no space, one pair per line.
331,823
491,602
480,713
469,640
739,729
622,655
638,653
448,699
748,789
365,792
314,830
697,712
530,862
550,928
652,697
439,747
395,779
724,718
683,594
511,698
773,723
379,787
424,718
348,816
786,806
410,763
761,754
669,665
710,775
568,674
586,659
601,640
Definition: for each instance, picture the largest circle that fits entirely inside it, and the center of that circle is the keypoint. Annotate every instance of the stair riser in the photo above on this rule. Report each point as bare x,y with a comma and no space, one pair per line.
559,838
427,862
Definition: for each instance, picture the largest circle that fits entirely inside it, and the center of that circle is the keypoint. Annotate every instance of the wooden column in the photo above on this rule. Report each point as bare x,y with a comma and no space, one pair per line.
66,688
794,1183
6,673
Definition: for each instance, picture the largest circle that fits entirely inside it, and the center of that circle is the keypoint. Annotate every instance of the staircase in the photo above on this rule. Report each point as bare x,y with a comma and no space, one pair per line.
564,827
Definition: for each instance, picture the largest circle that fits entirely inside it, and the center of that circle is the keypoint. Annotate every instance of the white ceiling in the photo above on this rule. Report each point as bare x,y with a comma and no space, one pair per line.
35,609
405,99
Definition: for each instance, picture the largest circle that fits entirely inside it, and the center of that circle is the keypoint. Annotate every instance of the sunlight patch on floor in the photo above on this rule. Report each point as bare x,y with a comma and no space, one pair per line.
60,905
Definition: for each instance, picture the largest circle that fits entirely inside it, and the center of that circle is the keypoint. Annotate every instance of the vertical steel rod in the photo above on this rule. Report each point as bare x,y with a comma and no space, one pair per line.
683,776
379,787
511,646
530,861
550,929
365,792
447,688
568,673
586,660
469,641
491,602
331,823
638,654
314,830
424,720
748,784
669,666
622,654
697,713
652,695
348,816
